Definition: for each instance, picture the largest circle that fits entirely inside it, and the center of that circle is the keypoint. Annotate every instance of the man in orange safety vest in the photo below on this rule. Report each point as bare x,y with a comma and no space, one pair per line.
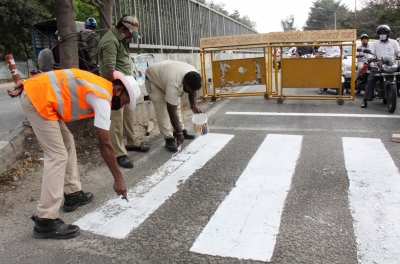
48,100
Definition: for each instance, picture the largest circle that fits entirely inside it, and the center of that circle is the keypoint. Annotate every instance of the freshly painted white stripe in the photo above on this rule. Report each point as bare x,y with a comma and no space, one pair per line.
374,195
246,223
291,129
310,114
117,218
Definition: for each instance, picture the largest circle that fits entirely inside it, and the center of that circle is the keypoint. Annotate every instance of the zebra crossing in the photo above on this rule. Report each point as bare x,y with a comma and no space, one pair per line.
246,223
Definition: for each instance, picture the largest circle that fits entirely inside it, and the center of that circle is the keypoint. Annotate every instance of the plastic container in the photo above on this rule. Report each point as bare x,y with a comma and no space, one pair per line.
200,123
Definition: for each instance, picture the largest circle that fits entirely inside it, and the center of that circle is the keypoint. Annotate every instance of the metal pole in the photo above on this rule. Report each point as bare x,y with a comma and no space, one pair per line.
190,26
176,26
355,9
209,21
223,23
158,25
334,12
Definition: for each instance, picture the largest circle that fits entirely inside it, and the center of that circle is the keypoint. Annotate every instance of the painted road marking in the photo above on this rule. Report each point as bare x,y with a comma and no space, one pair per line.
374,195
246,223
291,130
117,218
310,114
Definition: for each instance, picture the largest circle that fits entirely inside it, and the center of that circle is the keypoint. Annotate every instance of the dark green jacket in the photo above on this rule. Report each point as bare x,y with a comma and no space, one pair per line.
113,53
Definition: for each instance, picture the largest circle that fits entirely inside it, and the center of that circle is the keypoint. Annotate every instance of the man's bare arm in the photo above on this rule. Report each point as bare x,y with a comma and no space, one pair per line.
108,154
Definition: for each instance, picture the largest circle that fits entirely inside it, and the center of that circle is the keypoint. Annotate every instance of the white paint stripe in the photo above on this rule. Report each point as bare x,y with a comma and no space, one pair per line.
117,218
310,114
374,195
294,129
246,223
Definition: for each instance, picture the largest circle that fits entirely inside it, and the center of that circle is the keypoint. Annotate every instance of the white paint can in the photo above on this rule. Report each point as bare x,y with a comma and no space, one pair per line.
200,123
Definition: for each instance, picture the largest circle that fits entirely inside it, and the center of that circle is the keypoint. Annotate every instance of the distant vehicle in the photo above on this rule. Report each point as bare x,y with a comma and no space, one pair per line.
43,34
290,52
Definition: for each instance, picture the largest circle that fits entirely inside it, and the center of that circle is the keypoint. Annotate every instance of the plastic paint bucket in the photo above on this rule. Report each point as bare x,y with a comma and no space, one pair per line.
200,123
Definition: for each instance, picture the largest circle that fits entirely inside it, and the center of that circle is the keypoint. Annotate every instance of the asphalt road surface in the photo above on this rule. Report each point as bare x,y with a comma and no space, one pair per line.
11,116
298,182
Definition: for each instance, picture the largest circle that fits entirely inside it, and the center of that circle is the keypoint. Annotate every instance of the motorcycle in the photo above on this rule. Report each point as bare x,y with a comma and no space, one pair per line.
386,88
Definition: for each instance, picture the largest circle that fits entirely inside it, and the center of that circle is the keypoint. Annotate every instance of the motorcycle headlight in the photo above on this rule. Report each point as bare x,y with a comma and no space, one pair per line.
388,68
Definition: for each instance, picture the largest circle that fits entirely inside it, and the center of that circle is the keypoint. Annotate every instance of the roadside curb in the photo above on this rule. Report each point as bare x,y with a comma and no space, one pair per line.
11,150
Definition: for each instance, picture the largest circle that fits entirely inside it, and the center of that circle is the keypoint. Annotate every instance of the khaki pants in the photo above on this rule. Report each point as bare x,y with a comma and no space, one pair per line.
60,169
122,123
157,97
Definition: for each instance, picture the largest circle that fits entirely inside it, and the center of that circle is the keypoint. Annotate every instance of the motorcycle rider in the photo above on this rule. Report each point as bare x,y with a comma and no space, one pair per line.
381,48
303,50
361,58
330,51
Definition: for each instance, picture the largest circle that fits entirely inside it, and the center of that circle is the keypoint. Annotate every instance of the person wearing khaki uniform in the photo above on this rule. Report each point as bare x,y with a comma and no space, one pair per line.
166,82
113,55
49,100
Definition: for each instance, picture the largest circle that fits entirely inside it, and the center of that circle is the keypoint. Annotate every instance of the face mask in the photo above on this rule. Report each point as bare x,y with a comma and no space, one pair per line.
115,103
382,37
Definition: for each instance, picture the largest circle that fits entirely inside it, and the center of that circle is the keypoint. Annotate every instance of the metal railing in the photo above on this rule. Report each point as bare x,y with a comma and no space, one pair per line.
177,24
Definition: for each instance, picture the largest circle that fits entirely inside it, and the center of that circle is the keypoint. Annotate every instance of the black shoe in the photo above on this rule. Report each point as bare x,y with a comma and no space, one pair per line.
53,228
364,104
73,200
123,161
141,148
186,135
170,144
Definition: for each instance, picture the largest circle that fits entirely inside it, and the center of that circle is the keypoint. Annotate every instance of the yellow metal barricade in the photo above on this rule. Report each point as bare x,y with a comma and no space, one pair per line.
263,69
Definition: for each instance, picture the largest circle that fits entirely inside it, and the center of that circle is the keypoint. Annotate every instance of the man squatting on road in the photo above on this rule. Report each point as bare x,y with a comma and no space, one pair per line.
48,100
166,82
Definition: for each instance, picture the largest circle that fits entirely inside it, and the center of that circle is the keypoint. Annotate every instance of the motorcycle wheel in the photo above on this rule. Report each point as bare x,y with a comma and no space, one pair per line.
392,97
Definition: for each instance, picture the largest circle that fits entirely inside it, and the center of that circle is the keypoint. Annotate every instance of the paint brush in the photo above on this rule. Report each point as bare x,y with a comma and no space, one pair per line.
179,148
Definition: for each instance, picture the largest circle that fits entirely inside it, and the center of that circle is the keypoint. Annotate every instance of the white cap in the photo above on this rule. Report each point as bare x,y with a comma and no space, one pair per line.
131,86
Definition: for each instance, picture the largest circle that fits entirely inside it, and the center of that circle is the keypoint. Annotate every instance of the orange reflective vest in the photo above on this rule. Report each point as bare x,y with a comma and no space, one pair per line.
61,94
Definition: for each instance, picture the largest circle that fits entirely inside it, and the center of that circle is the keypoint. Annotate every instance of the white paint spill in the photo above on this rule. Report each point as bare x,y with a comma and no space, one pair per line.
310,114
246,223
242,70
117,218
374,195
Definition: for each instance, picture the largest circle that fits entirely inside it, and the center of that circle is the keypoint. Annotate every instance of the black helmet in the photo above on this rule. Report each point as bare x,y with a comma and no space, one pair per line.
364,36
384,28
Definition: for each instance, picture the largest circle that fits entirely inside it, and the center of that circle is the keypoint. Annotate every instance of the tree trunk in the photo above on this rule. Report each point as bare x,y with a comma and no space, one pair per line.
106,15
67,31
